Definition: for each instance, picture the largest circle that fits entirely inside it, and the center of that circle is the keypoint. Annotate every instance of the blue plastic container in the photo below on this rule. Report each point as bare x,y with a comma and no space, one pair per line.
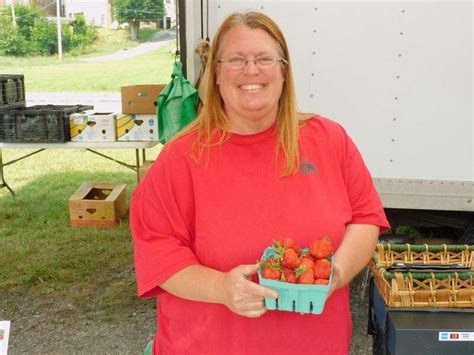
294,297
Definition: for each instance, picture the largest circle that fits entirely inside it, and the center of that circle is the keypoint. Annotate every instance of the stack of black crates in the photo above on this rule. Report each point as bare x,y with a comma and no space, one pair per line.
34,124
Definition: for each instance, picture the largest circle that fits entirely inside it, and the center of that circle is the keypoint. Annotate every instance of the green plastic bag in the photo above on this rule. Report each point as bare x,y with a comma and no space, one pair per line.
176,105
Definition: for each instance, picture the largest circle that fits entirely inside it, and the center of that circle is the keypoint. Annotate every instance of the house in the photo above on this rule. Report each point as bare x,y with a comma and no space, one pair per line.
96,12
48,6
15,2
100,12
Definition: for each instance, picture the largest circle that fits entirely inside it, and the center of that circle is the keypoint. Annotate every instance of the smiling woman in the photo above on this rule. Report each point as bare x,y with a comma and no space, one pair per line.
250,88
247,171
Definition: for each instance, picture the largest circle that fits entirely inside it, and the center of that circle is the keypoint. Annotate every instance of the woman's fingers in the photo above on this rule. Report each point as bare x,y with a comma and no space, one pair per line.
260,291
244,296
251,287
247,270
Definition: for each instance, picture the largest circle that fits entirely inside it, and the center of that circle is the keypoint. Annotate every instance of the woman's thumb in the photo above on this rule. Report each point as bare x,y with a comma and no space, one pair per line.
248,270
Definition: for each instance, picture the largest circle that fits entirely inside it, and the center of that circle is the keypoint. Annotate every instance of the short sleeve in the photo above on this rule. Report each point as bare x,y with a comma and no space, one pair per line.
161,219
365,202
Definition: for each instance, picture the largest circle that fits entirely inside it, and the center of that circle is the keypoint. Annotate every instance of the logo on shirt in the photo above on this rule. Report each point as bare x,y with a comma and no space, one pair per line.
307,167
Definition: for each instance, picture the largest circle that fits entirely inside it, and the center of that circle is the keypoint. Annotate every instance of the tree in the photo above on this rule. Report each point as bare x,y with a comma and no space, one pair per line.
134,11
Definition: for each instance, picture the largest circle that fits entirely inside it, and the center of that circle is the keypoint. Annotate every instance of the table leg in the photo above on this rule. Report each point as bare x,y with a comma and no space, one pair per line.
137,158
3,183
143,155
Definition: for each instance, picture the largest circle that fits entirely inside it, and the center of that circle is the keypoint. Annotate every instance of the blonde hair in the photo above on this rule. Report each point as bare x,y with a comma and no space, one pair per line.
212,126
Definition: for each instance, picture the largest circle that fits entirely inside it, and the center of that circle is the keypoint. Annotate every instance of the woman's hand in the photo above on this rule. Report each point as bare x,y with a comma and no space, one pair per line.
241,295
336,279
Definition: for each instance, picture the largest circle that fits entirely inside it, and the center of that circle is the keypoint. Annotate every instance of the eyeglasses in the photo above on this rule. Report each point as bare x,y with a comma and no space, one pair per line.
238,63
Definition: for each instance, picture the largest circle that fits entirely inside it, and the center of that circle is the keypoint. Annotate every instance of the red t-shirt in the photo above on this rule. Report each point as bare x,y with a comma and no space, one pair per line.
226,213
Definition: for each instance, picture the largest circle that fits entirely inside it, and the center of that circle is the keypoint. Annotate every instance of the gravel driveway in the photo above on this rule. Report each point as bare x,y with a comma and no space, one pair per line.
63,330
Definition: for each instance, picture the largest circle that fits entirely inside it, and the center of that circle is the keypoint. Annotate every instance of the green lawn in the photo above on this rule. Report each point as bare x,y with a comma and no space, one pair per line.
42,256
47,74
46,258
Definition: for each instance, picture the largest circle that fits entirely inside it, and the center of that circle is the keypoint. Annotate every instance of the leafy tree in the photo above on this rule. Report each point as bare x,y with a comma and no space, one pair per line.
34,34
25,18
11,41
134,11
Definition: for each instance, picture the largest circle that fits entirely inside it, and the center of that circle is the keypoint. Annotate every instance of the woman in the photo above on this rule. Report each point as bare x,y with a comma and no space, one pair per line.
248,171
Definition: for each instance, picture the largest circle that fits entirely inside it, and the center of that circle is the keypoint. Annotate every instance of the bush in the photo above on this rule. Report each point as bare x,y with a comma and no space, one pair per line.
25,19
11,41
83,35
44,37
36,35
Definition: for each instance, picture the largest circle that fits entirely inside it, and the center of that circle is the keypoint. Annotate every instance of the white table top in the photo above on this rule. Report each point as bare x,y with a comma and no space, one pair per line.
80,145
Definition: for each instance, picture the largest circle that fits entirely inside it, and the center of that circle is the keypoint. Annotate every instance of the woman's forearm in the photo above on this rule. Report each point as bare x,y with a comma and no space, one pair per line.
355,251
196,283
234,289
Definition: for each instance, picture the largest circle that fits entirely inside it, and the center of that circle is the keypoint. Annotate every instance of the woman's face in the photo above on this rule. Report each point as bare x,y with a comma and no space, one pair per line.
250,94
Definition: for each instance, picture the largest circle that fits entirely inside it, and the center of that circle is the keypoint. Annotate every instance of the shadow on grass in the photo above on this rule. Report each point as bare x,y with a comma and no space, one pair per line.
44,256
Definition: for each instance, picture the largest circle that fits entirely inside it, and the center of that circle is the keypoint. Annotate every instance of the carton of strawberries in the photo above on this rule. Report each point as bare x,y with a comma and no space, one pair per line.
302,276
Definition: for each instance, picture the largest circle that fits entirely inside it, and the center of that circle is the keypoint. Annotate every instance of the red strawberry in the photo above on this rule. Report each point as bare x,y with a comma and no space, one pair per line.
297,251
290,259
322,272
321,282
321,248
289,276
270,273
273,263
313,247
307,261
287,242
307,277
324,263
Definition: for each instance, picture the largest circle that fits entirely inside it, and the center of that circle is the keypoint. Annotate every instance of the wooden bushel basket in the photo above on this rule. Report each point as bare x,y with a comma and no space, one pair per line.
419,289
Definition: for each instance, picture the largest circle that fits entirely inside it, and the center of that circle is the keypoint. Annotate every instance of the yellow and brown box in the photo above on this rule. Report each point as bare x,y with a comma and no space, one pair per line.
137,128
98,204
140,98
93,126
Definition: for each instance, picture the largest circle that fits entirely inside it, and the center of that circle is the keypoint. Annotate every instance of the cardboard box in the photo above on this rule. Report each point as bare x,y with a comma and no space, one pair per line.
93,126
137,128
144,168
140,98
98,204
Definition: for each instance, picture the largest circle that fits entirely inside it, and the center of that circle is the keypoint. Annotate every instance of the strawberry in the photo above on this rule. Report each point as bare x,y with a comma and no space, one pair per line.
307,277
270,273
324,263
289,276
290,259
273,263
321,248
307,261
321,282
287,242
321,272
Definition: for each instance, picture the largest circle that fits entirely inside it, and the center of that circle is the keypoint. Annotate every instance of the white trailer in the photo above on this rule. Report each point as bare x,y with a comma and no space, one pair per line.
397,75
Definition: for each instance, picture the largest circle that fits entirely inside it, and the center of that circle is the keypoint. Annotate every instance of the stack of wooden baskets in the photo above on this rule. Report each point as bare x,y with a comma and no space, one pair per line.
432,276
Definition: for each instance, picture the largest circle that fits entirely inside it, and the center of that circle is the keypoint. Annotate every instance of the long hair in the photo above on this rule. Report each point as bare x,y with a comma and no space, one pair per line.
212,125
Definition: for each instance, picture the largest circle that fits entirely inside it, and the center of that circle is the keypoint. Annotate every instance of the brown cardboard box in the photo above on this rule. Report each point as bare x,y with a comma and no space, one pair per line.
140,98
98,204
144,168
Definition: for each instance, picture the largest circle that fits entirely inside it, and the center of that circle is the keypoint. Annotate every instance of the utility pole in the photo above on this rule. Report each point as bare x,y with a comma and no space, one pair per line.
13,15
58,17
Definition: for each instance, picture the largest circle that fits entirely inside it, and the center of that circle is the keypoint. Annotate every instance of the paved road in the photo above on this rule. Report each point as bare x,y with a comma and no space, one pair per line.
160,39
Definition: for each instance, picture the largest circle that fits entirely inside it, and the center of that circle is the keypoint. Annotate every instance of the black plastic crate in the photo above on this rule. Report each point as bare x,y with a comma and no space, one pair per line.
41,123
12,91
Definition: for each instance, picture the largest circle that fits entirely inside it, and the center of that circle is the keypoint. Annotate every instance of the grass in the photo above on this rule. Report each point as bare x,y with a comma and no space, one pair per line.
47,74
43,258
46,258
